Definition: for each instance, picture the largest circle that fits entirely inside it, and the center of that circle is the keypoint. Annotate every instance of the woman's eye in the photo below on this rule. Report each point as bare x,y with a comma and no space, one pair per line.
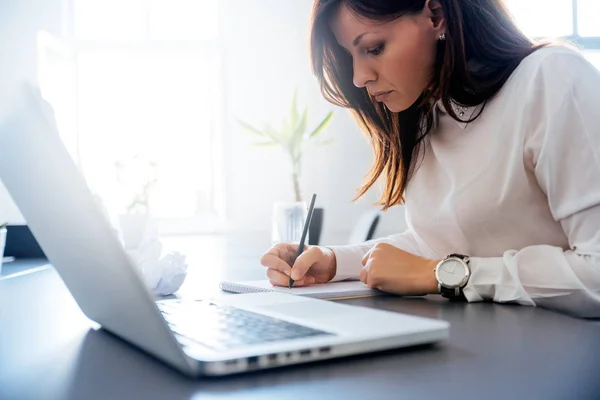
376,50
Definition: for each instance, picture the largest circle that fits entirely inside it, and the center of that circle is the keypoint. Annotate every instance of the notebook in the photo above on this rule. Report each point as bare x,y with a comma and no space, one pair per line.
330,291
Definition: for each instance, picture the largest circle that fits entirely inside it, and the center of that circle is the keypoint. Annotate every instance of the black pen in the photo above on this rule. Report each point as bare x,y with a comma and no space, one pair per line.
311,208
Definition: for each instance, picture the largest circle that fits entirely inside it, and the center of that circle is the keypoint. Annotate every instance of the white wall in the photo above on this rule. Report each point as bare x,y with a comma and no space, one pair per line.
267,55
19,22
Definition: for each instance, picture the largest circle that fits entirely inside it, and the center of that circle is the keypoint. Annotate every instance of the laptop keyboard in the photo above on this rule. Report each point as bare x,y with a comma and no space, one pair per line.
224,327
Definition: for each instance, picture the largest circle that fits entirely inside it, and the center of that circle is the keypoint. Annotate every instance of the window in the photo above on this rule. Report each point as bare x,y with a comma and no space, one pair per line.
588,14
555,21
575,20
143,115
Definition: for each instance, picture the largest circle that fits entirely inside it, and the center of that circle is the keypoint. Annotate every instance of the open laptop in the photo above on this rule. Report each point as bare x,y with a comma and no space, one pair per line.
218,336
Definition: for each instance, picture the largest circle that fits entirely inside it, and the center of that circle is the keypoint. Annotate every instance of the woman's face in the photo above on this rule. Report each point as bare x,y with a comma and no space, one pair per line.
394,61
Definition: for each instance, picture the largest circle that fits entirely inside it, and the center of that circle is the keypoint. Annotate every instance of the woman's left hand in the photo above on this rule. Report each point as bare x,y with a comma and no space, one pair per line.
393,270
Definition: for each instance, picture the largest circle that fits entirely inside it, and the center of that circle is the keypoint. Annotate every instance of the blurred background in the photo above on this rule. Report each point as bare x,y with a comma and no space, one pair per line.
149,95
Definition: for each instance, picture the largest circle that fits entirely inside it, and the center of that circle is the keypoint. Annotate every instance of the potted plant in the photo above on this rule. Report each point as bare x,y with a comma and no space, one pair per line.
292,137
137,176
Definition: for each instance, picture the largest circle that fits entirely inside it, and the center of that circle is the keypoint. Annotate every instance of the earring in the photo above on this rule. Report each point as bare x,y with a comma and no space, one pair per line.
443,36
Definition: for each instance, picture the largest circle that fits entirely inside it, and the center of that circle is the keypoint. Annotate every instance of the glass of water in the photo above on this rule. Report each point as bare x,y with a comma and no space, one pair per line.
2,244
288,221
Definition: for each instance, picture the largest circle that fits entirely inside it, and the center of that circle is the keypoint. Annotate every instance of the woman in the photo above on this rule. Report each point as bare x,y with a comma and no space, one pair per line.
491,141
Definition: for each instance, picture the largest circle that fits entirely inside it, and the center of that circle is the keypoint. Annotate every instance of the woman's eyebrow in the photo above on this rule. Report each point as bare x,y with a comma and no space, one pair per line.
358,38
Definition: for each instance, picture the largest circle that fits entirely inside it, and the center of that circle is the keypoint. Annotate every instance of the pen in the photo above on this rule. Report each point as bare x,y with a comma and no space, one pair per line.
311,208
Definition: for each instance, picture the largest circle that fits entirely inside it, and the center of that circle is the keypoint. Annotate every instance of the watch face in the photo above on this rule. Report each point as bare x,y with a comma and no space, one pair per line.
451,273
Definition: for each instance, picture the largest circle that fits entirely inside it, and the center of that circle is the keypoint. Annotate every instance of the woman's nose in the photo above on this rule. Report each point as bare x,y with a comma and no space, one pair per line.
362,74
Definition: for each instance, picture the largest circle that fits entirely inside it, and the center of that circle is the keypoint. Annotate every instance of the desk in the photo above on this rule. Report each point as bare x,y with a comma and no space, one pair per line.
49,350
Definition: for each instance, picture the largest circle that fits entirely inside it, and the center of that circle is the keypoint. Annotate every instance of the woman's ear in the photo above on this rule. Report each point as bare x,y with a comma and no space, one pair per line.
435,12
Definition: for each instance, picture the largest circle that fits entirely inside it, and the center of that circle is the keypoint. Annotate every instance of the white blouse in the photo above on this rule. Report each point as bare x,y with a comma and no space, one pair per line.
518,190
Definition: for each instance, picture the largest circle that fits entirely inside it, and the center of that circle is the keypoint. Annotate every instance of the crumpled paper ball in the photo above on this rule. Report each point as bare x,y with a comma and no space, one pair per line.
163,275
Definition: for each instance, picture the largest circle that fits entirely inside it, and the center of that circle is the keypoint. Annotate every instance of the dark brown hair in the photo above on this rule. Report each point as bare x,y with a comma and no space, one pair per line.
483,47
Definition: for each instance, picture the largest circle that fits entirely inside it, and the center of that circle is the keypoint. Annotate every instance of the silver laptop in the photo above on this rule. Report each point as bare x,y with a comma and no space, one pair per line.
217,336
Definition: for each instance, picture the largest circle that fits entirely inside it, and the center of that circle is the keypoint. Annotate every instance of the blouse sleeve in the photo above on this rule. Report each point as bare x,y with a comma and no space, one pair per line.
563,144
349,258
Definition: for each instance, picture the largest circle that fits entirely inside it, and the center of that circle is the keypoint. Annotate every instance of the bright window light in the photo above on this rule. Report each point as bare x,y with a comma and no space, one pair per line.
137,98
183,19
155,104
109,19
543,18
589,17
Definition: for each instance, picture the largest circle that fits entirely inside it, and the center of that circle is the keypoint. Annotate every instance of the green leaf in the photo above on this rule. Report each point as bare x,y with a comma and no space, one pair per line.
250,128
274,135
321,126
286,129
294,110
301,127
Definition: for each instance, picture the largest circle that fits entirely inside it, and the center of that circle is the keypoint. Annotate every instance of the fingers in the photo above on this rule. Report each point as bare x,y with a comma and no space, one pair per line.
377,248
278,259
371,261
273,262
306,260
279,256
280,279
368,279
370,253
363,276
366,257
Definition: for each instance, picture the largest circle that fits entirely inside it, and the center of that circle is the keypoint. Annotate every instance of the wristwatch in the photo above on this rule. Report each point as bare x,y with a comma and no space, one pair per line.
452,274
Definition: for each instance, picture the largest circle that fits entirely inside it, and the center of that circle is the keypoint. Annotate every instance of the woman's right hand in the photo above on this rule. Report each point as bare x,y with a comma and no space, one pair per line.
315,264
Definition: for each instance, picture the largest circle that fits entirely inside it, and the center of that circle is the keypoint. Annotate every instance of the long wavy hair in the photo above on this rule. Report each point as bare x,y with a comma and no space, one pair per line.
478,32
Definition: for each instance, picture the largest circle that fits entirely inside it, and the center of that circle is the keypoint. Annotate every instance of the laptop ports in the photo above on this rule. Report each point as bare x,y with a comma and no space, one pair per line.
252,361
